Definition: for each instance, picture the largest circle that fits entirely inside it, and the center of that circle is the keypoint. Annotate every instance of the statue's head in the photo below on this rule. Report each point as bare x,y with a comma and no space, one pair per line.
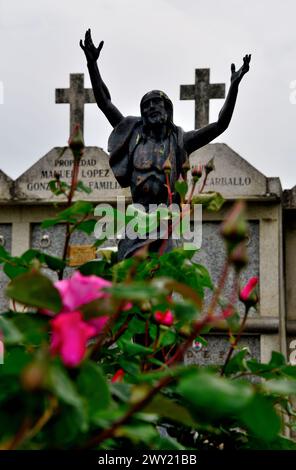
156,108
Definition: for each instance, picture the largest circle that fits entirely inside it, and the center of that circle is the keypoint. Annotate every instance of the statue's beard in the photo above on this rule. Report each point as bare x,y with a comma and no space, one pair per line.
155,121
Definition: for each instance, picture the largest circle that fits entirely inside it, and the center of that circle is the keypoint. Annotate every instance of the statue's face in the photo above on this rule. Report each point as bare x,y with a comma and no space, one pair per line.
154,111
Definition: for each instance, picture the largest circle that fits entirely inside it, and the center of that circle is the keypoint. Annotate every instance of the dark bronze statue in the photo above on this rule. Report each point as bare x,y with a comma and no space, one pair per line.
139,146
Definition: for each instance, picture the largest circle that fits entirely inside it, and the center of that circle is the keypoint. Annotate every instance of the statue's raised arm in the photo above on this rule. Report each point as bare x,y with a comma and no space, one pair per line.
101,92
196,139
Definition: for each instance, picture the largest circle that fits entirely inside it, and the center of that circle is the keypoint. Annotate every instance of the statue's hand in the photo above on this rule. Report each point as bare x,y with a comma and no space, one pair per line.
236,76
91,51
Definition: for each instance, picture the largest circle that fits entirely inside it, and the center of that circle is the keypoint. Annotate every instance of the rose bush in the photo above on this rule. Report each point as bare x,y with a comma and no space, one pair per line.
96,360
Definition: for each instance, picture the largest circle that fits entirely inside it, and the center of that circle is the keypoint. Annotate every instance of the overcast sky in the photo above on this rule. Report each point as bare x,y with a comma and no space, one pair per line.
148,44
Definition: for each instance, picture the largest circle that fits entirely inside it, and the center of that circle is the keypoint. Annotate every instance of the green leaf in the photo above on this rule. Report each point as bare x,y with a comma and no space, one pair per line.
203,275
61,385
280,386
11,333
29,255
177,264
167,443
54,221
136,326
36,290
83,188
260,369
237,363
212,201
54,263
135,291
87,226
71,214
185,311
277,360
214,396
4,255
128,365
186,291
13,270
58,188
181,187
93,387
138,432
34,327
11,389
276,367
15,359
121,391
65,428
167,408
167,338
260,418
16,266
133,349
105,418
289,371
97,267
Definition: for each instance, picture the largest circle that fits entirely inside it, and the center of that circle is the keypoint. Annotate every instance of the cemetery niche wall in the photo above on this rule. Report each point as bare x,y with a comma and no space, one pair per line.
26,202
236,179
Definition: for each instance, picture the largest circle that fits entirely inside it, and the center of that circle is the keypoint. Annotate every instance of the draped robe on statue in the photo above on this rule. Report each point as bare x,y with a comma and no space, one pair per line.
137,162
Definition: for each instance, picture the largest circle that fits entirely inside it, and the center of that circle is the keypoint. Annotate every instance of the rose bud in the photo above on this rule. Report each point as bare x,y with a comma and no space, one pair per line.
76,142
234,229
238,256
196,172
167,166
33,376
210,166
164,318
118,376
186,166
248,294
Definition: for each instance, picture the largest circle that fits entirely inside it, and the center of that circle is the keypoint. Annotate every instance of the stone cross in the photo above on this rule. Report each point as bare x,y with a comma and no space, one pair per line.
77,96
202,92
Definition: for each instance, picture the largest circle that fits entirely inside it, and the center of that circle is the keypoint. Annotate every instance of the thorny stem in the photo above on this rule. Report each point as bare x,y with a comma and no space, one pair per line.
170,194
191,192
106,433
204,183
117,335
200,324
25,433
235,343
19,437
219,289
69,202
60,186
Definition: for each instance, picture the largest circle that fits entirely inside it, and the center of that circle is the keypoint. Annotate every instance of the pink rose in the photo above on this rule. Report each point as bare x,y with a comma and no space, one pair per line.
164,318
80,290
248,293
70,334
